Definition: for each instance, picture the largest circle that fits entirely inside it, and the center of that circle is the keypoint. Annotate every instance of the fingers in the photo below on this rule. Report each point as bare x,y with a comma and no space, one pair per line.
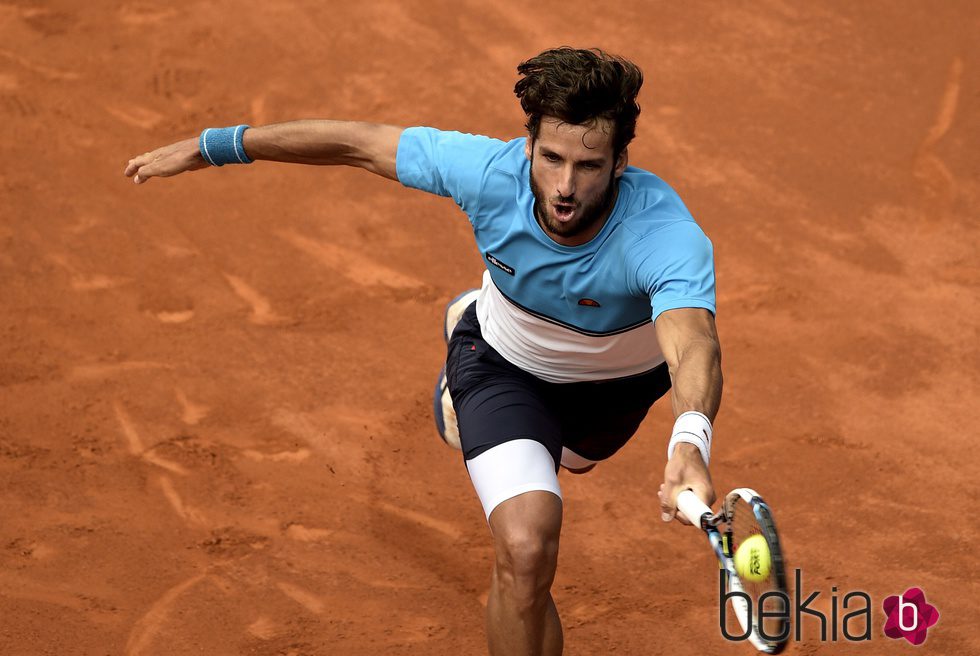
133,165
137,167
146,166
166,161
685,471
668,503
146,172
673,480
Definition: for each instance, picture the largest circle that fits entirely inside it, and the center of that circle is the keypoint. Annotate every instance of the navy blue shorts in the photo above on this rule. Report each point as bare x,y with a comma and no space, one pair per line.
496,402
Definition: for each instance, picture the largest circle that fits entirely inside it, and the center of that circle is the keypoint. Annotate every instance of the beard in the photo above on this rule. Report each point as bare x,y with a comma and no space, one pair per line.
589,211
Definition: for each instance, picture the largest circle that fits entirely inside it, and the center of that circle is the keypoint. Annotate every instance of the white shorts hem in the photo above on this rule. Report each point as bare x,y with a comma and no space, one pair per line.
490,505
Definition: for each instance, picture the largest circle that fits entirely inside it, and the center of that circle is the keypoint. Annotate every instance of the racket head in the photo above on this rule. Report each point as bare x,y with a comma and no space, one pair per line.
746,514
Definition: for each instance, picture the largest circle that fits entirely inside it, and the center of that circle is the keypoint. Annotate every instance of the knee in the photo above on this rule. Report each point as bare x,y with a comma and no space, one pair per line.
526,562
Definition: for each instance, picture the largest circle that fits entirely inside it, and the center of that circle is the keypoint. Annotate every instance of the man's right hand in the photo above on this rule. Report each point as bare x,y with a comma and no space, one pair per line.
684,471
166,161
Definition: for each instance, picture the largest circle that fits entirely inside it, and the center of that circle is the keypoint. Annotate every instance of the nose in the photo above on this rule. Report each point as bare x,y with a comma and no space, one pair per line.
566,182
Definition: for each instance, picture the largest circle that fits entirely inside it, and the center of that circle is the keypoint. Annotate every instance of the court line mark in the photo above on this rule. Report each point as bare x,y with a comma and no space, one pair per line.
353,266
139,117
262,313
186,513
148,626
438,525
928,167
280,456
304,534
947,106
129,431
190,413
136,446
304,598
40,69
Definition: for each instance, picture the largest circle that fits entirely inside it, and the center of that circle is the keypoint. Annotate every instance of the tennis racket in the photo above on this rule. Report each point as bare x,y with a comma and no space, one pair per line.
744,514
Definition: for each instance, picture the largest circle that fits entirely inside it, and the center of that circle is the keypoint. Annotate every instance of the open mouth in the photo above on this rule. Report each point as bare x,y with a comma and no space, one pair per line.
564,211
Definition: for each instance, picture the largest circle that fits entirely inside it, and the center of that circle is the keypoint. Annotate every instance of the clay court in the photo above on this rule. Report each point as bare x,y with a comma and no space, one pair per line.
215,390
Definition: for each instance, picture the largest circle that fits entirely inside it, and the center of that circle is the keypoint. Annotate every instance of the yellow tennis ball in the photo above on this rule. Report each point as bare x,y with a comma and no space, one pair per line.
752,560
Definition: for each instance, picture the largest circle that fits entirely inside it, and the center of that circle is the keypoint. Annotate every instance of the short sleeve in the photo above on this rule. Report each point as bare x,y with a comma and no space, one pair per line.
675,267
446,163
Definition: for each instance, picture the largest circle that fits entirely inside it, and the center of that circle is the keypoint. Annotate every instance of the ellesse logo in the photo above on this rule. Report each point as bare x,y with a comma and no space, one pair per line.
588,302
492,259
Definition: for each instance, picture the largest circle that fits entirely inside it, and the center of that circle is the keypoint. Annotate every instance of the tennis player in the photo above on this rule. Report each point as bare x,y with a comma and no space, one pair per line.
598,297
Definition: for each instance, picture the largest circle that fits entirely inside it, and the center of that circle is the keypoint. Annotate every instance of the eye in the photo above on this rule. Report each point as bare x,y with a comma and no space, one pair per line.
591,166
551,157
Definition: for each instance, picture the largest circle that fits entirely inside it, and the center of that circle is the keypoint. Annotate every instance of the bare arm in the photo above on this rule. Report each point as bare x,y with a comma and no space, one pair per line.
370,146
689,342
690,345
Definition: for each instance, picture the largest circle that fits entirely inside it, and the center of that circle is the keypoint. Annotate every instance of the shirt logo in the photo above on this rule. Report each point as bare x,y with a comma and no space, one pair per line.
509,270
588,302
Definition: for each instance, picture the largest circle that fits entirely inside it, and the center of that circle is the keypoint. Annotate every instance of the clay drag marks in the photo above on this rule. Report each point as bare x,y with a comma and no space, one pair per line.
190,422
199,452
247,570
215,432
206,495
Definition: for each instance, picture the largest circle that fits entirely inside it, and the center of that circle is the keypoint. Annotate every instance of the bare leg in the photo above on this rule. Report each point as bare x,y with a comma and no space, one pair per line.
521,615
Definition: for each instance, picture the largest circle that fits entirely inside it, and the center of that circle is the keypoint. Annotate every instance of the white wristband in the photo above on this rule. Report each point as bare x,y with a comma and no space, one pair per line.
693,428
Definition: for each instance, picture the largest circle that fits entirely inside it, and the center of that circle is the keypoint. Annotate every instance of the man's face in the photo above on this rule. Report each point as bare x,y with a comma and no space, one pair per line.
573,176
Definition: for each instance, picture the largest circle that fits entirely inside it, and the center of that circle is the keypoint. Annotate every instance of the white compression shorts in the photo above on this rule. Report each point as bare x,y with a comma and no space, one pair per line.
515,467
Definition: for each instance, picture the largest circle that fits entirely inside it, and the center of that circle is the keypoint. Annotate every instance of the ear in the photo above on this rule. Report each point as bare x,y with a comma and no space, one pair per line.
621,162
528,145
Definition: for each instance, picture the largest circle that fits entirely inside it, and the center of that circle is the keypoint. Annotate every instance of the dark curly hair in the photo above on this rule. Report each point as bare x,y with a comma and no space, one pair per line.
580,86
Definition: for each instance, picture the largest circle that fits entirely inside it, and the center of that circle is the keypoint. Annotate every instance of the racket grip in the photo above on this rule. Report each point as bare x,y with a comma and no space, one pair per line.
692,507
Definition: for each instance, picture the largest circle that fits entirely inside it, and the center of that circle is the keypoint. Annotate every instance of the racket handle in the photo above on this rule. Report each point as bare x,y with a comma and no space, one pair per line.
692,507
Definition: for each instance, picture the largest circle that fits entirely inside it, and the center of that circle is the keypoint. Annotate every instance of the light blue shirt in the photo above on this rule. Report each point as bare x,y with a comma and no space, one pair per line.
649,257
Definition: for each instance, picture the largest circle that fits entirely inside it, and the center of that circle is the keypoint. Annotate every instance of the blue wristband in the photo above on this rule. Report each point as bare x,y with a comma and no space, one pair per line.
220,146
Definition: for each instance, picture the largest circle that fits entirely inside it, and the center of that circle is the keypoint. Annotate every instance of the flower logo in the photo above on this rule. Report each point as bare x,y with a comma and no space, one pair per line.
909,616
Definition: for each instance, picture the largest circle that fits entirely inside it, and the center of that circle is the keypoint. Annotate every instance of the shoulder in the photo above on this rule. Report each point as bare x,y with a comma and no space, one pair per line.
466,167
665,240
651,203
450,143
657,220
424,152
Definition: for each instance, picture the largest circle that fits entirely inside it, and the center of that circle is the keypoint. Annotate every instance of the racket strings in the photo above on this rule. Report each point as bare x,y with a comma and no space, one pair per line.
744,522
743,525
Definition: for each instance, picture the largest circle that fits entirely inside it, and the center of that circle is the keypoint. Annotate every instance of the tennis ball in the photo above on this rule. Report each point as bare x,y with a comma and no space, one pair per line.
752,560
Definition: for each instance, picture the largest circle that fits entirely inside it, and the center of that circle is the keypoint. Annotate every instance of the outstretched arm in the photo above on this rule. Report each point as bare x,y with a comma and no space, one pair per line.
689,342
370,146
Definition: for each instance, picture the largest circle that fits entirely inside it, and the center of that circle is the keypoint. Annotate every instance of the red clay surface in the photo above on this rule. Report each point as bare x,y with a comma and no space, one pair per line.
215,430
